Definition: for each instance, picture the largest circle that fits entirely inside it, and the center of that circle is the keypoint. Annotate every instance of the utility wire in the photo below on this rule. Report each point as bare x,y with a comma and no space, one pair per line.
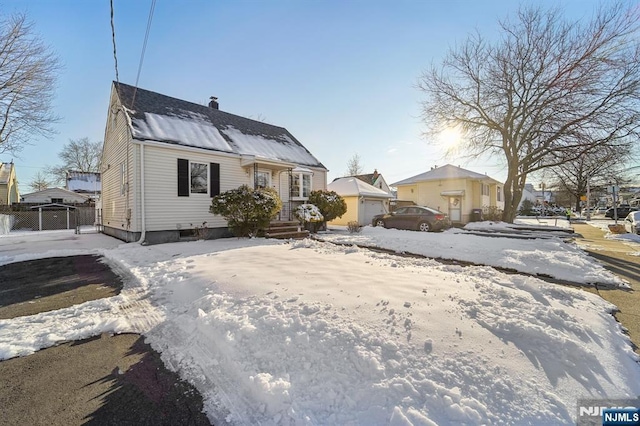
144,48
113,37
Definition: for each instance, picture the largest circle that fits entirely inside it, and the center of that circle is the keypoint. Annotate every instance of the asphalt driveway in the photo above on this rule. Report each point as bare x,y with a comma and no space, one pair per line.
105,380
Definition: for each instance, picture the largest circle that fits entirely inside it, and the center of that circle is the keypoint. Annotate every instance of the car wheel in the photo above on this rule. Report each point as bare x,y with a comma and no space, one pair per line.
424,227
380,222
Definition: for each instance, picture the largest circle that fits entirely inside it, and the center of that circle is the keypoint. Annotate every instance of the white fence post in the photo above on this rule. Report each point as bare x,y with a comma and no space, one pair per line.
68,227
40,219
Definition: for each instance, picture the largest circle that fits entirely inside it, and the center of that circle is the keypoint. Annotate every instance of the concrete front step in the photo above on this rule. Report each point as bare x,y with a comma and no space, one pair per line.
286,230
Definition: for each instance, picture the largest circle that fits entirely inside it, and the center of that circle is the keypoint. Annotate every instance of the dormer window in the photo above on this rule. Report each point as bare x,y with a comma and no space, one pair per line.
300,183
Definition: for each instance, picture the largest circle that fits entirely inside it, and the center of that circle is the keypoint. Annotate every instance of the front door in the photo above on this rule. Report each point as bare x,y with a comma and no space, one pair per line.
455,209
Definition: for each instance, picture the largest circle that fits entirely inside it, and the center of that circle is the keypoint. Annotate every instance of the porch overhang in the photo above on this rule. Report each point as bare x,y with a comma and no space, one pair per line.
252,160
454,193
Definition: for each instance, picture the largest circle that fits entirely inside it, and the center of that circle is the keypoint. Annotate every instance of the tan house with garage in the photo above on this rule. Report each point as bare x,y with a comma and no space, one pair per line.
452,190
364,201
164,158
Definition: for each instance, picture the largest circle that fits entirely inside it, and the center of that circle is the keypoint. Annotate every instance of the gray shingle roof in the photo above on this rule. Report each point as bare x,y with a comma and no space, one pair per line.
166,119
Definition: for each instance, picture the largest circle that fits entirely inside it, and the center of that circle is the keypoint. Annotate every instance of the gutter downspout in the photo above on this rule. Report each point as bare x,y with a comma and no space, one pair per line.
143,222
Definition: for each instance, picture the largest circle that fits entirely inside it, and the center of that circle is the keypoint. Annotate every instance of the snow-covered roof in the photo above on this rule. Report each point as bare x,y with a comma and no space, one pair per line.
161,118
351,186
445,172
55,192
83,181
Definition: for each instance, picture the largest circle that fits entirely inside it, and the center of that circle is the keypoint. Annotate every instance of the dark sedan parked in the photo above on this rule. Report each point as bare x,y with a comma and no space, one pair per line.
416,218
622,211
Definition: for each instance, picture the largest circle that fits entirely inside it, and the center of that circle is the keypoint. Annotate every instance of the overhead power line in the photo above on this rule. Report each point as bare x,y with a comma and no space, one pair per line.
144,48
113,38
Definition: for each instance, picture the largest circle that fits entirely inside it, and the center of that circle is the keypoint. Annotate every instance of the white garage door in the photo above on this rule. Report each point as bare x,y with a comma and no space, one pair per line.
372,208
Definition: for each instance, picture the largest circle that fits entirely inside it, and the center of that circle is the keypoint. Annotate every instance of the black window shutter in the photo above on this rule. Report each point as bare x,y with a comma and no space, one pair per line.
215,178
183,178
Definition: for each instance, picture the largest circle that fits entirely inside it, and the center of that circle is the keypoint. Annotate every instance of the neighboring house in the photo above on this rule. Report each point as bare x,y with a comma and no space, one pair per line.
164,158
376,179
453,190
542,196
528,193
87,183
9,192
54,196
364,201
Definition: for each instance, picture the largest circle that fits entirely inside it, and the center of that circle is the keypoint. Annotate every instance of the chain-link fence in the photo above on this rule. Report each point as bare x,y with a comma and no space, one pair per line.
45,218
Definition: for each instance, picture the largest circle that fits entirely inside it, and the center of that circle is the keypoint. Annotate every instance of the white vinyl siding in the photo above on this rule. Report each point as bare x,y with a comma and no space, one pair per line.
116,151
164,210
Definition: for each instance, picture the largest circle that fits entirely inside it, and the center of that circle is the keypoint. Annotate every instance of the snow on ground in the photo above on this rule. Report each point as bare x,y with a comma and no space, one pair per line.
549,256
309,332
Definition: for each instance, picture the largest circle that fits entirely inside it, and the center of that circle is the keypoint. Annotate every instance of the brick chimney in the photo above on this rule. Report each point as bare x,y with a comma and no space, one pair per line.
213,103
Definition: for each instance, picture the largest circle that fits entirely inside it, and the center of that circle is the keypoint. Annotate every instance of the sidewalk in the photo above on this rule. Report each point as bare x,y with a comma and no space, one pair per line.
614,255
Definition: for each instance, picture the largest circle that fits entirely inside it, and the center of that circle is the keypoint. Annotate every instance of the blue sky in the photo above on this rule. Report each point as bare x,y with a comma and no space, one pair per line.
339,75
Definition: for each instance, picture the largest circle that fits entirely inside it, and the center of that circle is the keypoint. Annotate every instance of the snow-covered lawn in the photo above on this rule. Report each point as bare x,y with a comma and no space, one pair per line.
308,332
549,256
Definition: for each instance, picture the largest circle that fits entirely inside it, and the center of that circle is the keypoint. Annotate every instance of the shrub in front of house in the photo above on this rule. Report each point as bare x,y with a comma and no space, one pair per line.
526,208
492,213
354,227
330,204
309,216
247,210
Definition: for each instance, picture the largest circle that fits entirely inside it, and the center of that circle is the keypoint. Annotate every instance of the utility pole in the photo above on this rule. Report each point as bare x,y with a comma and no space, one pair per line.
588,201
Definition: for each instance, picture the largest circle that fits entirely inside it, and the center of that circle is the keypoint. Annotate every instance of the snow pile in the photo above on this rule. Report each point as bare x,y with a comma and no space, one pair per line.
550,257
6,223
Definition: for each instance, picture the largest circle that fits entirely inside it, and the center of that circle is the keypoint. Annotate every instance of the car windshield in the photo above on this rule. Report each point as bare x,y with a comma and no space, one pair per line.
635,216
430,210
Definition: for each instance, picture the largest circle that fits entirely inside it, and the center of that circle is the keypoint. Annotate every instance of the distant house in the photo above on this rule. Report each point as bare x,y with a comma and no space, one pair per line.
9,192
375,179
164,158
453,190
54,196
364,201
87,183
528,193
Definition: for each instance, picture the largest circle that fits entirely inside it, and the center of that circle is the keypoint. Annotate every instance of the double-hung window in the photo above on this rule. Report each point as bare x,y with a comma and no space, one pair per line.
198,178
300,183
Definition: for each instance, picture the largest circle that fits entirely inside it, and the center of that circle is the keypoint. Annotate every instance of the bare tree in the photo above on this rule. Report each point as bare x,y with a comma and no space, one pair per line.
354,167
28,71
594,168
81,155
39,182
544,93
